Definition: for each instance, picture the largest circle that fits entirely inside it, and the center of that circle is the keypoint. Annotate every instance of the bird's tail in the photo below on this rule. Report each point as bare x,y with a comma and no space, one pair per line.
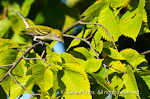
24,20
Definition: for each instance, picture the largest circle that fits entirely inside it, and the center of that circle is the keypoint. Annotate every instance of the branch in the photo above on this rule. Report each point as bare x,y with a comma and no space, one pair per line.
80,22
72,26
15,64
85,40
116,69
43,53
105,31
71,36
7,65
19,83
106,74
145,52
38,59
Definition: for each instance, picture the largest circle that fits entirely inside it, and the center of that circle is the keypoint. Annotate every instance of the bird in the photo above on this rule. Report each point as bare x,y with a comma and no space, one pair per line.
40,32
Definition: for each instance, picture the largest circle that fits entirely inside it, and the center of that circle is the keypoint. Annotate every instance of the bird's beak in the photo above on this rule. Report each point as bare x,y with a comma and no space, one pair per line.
62,40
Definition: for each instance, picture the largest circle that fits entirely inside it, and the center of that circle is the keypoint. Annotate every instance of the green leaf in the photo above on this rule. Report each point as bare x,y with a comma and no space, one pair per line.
93,11
117,3
144,16
75,41
146,78
55,57
98,48
108,44
101,81
26,7
108,19
17,23
117,83
130,83
76,81
112,53
39,61
12,8
131,21
7,84
49,48
20,69
90,29
7,57
92,65
17,90
4,27
96,38
68,58
55,80
115,64
6,44
133,57
85,52
43,77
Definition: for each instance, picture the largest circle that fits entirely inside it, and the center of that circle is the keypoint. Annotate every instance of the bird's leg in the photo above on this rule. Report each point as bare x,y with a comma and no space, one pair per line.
35,39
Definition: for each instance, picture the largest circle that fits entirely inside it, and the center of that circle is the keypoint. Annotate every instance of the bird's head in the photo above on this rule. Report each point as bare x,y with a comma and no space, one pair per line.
57,35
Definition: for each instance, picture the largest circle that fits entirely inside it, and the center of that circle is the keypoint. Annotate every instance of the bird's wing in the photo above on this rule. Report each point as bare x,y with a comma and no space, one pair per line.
30,33
41,31
36,31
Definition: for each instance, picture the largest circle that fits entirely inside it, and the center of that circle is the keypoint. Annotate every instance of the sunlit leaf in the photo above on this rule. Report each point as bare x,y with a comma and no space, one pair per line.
16,89
25,8
112,53
43,77
76,80
92,65
108,19
130,22
130,83
93,11
68,58
102,82
7,57
75,41
85,52
4,26
133,57
6,43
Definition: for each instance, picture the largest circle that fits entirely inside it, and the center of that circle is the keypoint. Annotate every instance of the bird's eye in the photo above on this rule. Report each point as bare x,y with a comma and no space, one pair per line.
57,36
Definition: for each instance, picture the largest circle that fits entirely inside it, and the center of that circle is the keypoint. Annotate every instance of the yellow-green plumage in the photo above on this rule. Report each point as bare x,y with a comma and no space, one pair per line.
42,32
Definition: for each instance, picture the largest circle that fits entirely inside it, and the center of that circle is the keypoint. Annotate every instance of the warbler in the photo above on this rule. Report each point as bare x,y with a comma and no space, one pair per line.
41,32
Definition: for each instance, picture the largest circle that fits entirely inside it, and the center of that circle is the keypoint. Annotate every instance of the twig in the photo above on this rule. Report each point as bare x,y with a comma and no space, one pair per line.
89,37
72,26
145,52
21,50
116,69
5,10
19,83
71,36
36,94
7,65
43,53
38,59
106,74
105,31
32,58
80,22
20,96
15,64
